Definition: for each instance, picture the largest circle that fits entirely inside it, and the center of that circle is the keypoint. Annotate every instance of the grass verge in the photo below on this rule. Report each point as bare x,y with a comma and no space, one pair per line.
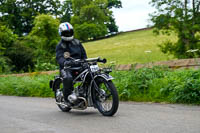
143,85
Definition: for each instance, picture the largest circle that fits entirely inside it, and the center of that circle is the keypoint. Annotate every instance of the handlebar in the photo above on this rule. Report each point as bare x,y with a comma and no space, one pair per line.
102,60
98,59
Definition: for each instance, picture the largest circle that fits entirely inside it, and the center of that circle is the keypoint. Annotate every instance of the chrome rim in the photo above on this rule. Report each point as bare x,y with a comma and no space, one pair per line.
105,98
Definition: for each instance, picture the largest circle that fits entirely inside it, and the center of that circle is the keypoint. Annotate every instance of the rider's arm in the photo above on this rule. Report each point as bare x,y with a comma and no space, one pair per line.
64,61
60,56
83,53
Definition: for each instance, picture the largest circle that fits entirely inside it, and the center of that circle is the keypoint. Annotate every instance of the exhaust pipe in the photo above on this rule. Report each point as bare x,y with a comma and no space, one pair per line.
78,107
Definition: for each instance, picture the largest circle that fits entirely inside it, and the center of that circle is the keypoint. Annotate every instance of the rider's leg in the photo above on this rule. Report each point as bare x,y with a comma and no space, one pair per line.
67,83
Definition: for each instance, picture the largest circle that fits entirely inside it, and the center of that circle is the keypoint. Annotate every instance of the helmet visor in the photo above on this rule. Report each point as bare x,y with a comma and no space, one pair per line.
68,33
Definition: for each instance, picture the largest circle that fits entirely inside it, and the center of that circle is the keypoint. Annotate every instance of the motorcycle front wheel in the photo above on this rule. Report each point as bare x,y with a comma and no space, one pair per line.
106,98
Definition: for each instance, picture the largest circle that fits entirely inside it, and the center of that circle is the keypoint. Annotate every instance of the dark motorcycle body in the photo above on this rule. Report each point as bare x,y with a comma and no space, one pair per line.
93,87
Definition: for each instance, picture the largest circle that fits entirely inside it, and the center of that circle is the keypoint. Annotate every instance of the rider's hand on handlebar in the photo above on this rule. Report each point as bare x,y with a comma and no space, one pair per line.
72,63
76,64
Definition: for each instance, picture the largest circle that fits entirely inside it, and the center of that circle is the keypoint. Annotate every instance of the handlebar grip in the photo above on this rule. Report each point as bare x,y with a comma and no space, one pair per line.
102,60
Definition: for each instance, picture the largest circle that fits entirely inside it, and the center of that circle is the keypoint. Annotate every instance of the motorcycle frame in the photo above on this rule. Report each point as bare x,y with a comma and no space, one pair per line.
94,76
86,72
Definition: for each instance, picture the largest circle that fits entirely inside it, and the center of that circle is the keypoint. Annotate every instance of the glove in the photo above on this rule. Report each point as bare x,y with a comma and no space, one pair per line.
76,64
72,63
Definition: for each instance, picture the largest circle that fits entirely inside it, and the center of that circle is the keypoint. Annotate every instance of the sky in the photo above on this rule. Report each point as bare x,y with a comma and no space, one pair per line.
133,15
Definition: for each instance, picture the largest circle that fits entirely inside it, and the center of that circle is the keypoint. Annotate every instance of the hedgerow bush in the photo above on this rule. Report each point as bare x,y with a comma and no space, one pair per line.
158,84
34,85
21,56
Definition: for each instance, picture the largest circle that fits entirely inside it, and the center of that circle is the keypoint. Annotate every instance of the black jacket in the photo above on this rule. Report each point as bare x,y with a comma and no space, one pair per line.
75,49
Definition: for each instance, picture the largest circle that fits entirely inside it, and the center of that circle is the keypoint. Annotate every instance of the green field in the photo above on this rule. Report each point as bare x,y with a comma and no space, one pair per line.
129,48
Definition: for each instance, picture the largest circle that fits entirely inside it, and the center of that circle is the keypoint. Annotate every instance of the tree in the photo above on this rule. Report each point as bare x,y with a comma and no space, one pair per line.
18,15
112,27
7,38
66,11
13,55
21,56
90,31
181,17
114,3
88,17
45,33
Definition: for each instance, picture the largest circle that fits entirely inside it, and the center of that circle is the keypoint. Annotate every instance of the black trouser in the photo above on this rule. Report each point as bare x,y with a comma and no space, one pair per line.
67,83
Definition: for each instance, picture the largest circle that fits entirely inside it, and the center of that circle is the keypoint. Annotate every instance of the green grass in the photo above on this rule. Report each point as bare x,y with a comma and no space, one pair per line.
157,84
33,86
129,48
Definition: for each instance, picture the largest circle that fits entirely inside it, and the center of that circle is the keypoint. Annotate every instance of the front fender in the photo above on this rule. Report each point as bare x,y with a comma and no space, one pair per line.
107,77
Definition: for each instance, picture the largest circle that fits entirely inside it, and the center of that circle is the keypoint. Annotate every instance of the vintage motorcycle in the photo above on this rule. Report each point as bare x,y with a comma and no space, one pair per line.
93,87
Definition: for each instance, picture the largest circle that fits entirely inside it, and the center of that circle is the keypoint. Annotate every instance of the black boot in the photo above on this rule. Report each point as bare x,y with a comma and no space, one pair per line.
67,84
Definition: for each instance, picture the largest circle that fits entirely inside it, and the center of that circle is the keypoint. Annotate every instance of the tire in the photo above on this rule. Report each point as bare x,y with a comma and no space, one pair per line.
113,96
57,86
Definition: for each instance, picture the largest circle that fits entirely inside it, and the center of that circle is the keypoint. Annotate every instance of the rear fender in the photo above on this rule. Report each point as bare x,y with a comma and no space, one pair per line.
54,84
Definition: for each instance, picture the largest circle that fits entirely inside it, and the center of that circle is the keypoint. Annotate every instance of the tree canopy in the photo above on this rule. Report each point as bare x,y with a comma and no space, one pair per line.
29,29
45,33
93,19
181,17
19,15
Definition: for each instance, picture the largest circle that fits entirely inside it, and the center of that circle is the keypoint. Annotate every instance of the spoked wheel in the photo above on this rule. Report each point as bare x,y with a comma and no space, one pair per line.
60,98
106,99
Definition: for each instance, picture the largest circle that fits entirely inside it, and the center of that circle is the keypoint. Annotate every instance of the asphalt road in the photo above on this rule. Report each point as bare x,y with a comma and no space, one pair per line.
41,115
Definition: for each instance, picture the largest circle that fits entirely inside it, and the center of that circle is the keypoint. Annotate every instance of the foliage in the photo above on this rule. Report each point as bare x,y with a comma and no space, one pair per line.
22,57
135,84
19,14
43,66
93,15
90,31
43,38
6,38
66,10
158,84
88,17
133,46
36,85
112,27
114,4
23,52
181,17
5,65
45,33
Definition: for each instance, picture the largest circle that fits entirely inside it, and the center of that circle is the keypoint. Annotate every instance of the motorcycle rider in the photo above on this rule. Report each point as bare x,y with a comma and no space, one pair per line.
67,49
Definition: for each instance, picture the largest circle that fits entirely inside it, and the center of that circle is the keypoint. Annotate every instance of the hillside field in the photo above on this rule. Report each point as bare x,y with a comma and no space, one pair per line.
129,47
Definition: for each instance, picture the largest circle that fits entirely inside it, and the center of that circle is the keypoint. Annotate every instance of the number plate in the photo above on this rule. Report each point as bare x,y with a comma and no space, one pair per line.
94,68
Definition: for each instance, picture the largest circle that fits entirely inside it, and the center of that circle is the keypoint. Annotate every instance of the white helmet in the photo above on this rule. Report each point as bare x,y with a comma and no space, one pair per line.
66,31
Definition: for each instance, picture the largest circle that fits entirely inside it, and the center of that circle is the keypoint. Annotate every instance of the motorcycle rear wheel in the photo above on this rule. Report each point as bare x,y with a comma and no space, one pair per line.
109,97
